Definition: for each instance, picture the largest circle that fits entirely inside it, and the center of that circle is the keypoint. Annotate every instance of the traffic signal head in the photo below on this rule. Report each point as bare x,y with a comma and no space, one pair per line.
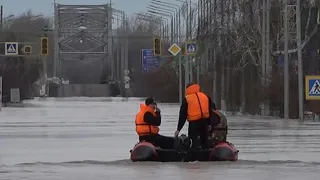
44,46
27,49
157,49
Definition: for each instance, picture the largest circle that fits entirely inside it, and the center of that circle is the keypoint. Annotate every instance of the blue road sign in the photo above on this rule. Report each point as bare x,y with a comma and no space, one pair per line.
312,87
149,62
191,48
11,48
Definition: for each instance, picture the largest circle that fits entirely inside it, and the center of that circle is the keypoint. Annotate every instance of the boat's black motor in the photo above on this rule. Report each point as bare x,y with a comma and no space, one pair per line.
183,143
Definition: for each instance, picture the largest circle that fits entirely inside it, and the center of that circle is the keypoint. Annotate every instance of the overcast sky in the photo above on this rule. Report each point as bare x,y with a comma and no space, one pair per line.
45,6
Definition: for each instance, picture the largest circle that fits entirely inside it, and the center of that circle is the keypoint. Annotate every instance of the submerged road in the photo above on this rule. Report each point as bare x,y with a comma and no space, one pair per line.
88,138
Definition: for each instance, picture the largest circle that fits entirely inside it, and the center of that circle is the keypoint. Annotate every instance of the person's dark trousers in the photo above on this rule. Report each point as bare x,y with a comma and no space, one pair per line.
196,129
159,141
148,138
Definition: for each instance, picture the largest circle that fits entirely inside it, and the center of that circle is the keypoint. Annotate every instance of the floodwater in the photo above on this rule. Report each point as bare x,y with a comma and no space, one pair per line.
89,139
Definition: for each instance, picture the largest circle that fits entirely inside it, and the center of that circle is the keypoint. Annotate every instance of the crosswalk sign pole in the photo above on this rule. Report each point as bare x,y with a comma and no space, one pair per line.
180,78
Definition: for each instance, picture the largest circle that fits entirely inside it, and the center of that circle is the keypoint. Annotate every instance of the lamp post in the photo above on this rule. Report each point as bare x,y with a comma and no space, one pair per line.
163,13
165,23
177,37
157,19
188,18
156,31
173,18
177,9
122,63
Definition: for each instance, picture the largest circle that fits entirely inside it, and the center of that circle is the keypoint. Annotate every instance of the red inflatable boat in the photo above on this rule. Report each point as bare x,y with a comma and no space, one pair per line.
145,151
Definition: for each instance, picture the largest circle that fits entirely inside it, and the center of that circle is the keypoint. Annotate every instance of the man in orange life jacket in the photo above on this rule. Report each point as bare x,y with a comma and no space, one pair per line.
197,109
148,121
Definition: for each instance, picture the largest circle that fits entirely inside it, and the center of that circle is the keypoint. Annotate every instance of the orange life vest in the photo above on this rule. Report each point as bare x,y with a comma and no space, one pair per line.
143,128
198,103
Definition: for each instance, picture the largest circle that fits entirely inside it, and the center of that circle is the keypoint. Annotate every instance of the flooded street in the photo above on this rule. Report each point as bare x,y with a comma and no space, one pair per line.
90,138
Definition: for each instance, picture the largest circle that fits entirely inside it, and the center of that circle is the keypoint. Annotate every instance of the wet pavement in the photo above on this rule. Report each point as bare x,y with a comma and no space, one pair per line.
90,138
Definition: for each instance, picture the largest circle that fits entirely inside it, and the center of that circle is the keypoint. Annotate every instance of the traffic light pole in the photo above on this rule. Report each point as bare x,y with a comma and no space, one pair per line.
180,56
157,51
45,66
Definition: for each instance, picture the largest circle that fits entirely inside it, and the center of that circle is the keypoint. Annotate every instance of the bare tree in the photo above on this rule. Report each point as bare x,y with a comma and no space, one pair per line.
232,30
21,72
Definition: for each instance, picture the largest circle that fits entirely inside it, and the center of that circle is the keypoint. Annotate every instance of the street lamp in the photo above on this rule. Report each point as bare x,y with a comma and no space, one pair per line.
165,24
188,18
173,19
188,76
162,2
8,18
178,29
163,13
178,13
176,18
150,18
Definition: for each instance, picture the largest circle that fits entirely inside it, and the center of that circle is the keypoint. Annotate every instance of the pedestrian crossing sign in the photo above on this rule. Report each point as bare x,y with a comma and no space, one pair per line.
312,87
11,48
191,48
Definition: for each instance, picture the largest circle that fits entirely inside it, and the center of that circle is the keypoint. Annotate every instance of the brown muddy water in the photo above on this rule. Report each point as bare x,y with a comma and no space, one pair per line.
90,138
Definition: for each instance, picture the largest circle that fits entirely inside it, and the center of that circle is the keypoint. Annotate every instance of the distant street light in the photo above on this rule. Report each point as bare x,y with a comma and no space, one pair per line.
162,13
11,18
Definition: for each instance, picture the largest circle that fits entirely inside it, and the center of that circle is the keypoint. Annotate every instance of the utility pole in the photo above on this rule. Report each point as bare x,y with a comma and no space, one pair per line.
1,18
263,61
190,38
56,59
180,78
286,62
109,43
186,58
45,63
292,34
300,64
268,65
0,93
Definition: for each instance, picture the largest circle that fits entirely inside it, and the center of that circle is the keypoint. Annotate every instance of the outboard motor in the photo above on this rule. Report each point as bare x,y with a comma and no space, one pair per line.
183,143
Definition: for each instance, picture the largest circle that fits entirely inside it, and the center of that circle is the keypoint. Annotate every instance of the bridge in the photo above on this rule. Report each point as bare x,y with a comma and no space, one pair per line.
83,44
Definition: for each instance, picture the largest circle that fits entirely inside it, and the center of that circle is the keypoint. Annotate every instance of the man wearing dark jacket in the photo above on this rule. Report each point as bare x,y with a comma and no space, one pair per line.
148,121
197,109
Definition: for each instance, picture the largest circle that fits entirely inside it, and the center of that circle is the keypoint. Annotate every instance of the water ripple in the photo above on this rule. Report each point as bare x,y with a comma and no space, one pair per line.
75,138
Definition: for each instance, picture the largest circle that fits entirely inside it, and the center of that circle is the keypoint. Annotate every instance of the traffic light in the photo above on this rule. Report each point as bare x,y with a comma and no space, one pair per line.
157,49
44,46
27,49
